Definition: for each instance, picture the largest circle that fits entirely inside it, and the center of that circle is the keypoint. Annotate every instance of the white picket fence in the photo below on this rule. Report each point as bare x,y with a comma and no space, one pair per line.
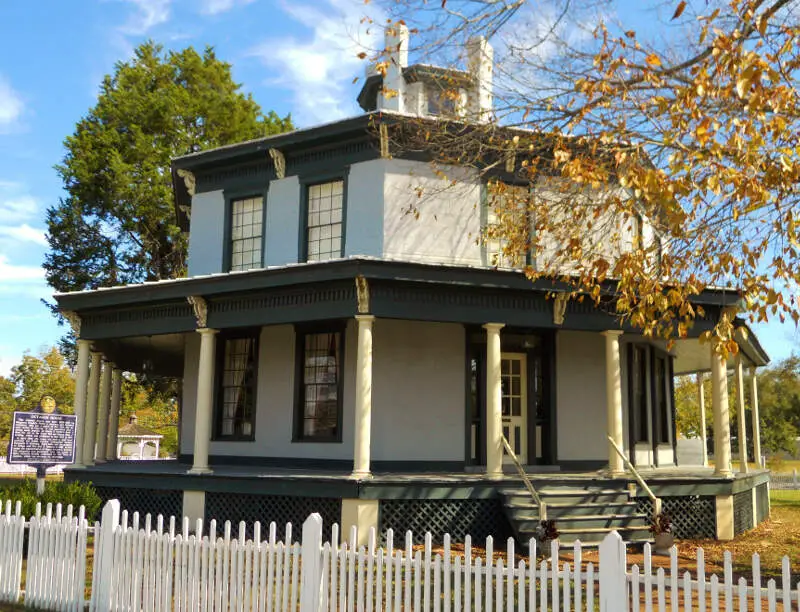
167,565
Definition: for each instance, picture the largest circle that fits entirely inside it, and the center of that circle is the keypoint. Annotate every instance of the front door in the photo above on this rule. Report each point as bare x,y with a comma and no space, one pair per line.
513,370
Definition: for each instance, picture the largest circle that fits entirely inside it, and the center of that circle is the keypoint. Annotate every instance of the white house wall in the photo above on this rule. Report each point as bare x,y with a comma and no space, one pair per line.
448,228
364,208
282,238
206,248
418,395
418,391
581,396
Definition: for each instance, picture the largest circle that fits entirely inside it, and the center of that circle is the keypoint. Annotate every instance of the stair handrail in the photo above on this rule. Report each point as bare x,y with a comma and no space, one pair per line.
528,484
656,500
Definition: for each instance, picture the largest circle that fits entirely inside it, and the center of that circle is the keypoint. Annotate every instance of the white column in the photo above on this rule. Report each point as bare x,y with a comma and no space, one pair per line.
158,444
81,384
722,425
614,401
701,402
104,409
141,449
204,412
756,418
742,422
494,401
90,436
363,428
113,424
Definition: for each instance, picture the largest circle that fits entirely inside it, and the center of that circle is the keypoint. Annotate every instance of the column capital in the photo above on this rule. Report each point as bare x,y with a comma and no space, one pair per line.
206,330
98,354
365,318
610,333
493,326
753,370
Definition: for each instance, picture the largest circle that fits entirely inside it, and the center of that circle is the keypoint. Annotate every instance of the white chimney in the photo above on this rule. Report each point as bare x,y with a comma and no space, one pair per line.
396,41
480,59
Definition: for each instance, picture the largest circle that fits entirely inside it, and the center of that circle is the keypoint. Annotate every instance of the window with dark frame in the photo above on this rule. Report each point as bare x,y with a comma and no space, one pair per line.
324,221
638,387
320,398
237,388
660,401
246,233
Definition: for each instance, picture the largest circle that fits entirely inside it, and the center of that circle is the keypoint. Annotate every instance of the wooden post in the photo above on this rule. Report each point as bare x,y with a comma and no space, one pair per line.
363,424
494,400
104,557
701,401
613,585
742,422
311,569
614,401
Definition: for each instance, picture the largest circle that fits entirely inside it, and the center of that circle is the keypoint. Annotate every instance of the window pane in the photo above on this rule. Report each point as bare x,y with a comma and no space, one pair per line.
324,221
246,233
321,372
237,392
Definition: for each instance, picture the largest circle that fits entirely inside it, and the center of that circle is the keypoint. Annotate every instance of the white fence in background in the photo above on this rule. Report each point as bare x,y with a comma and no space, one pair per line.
157,565
784,481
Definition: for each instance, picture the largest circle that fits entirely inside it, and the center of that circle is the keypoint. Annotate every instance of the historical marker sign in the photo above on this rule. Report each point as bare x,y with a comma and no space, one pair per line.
42,438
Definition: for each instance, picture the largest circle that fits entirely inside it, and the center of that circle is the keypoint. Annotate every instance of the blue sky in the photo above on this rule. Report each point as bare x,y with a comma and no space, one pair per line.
295,56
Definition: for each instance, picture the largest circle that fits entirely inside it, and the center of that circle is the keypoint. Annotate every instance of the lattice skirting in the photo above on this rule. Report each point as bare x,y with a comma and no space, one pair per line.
281,509
742,512
762,503
478,518
693,516
145,501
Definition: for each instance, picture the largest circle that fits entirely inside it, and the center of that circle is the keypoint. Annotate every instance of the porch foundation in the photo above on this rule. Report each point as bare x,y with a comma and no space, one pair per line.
194,505
361,514
724,505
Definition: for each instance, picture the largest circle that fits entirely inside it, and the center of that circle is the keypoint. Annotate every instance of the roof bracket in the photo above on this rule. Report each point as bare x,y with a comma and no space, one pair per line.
280,162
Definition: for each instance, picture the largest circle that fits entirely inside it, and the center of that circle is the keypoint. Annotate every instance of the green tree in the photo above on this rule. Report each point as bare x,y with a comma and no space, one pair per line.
8,404
45,374
117,223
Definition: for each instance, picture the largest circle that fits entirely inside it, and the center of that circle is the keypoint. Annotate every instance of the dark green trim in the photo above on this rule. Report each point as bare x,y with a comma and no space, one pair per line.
551,390
300,333
467,399
219,366
673,411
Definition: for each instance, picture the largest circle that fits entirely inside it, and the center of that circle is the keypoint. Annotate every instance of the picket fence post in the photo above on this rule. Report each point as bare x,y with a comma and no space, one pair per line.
311,568
612,573
104,556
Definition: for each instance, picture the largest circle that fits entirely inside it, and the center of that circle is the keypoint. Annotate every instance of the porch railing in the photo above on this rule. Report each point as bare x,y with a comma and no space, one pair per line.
528,484
656,500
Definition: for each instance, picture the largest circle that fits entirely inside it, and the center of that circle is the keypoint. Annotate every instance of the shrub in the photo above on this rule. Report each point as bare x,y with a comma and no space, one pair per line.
75,493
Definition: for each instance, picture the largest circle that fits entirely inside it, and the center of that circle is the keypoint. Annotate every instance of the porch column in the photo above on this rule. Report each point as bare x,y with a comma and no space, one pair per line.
756,418
614,401
363,428
701,402
90,437
742,422
104,408
204,412
158,444
494,400
722,425
84,348
113,425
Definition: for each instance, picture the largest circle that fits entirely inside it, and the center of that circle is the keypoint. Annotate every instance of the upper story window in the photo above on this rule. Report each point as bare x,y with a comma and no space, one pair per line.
319,411
324,238
246,233
509,226
236,387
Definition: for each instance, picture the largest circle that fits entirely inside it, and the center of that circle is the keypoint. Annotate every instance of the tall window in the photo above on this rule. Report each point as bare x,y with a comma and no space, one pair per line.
246,231
320,397
509,226
660,401
324,222
237,388
638,393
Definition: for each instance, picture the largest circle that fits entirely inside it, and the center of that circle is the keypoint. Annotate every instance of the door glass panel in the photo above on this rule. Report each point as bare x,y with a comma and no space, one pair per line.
514,402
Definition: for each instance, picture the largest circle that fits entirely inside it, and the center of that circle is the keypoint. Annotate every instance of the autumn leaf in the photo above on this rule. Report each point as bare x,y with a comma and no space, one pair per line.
653,60
679,9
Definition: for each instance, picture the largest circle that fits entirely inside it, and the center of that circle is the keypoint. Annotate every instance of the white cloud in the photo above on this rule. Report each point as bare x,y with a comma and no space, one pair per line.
17,275
319,70
214,7
148,14
23,233
11,105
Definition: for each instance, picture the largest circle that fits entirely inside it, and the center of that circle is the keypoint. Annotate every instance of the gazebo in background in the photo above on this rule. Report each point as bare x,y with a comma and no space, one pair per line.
138,437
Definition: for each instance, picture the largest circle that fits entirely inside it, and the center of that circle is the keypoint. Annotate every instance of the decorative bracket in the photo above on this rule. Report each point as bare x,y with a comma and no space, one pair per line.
186,210
280,162
74,321
559,308
200,308
362,294
188,180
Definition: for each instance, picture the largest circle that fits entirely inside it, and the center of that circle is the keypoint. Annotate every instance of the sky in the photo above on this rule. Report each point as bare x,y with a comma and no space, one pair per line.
297,56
